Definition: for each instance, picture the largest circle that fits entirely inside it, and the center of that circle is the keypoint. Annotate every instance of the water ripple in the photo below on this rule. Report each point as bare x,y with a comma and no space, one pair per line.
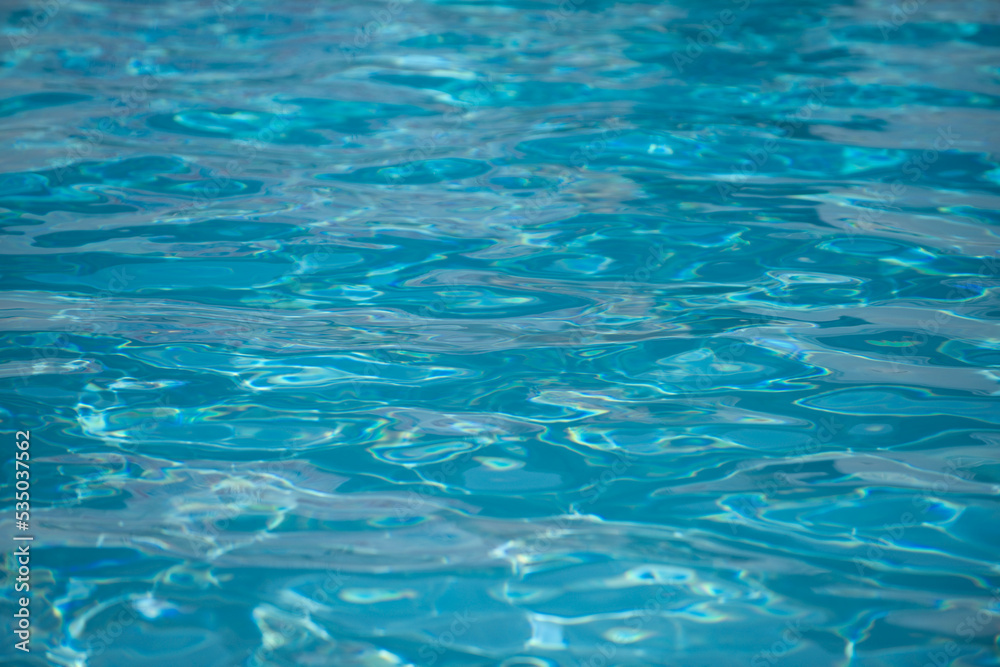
522,334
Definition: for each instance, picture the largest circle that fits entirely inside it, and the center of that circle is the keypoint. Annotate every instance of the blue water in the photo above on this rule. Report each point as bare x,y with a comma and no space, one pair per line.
515,333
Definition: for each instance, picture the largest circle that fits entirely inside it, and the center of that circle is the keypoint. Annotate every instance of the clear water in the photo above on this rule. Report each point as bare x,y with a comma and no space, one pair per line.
469,333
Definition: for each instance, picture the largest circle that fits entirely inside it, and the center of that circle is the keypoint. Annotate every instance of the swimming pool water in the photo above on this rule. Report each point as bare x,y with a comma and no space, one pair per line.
522,333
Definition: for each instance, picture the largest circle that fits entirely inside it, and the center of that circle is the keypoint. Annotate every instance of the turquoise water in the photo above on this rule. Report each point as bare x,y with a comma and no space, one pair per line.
470,334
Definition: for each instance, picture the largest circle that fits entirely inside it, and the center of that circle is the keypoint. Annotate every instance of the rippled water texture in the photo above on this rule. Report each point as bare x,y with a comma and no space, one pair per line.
469,334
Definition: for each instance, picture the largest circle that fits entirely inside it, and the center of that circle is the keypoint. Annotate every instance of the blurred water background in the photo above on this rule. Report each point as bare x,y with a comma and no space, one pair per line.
515,333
